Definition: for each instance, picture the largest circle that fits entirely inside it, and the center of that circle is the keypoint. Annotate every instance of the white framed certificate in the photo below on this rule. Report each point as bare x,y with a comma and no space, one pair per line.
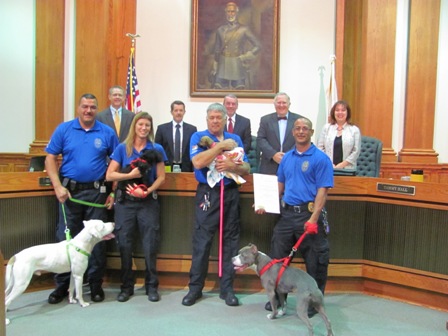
266,193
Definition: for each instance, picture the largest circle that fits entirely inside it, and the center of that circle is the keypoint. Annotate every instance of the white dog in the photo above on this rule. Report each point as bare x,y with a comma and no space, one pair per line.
66,256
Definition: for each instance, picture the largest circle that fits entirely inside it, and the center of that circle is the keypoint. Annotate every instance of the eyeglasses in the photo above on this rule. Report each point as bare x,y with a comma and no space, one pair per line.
304,128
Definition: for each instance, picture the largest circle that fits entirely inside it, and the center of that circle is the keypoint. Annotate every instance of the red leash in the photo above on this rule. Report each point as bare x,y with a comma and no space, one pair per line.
311,228
221,226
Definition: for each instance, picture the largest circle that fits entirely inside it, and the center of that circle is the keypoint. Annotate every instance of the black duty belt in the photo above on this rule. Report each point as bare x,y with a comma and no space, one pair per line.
73,185
305,207
231,185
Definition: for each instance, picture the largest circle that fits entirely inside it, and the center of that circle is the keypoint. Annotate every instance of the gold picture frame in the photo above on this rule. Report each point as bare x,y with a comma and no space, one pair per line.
234,48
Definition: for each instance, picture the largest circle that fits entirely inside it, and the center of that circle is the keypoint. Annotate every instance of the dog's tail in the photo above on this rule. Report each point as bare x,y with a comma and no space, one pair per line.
9,279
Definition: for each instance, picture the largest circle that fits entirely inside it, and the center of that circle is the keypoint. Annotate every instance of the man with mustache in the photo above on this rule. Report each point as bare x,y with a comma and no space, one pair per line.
85,146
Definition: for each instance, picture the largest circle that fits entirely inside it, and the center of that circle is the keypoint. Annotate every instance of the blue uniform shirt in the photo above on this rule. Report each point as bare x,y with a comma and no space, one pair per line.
305,173
201,174
84,153
123,159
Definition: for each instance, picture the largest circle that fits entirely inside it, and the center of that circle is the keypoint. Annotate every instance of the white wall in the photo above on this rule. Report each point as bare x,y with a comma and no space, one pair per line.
163,59
17,41
441,118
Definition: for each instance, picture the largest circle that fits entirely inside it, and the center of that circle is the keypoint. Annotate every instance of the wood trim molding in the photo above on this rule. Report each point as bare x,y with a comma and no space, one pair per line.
339,45
49,87
377,59
421,82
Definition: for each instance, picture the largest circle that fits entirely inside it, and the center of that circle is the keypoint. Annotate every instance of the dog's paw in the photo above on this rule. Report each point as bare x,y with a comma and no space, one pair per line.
7,321
72,300
270,316
84,304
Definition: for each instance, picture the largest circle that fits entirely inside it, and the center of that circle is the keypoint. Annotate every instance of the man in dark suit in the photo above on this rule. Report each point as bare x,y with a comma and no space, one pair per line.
109,115
240,124
274,137
166,133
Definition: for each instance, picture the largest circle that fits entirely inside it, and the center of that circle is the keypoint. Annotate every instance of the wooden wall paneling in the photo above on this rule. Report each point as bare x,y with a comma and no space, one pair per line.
92,27
102,49
351,60
421,82
433,172
377,73
124,17
14,162
339,45
49,87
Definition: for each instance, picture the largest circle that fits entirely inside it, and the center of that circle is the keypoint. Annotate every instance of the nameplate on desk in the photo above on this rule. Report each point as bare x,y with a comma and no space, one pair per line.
396,189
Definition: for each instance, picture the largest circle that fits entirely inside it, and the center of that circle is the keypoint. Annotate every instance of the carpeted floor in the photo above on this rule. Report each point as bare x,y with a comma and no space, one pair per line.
350,314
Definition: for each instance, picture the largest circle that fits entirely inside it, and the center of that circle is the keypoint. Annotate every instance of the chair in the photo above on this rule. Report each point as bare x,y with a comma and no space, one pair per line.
253,156
369,160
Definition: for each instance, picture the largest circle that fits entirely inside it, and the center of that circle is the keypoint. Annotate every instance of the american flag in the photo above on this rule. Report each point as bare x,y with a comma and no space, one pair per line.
133,102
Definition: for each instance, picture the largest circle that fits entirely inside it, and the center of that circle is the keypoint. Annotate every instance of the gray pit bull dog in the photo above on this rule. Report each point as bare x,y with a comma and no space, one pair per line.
292,280
65,256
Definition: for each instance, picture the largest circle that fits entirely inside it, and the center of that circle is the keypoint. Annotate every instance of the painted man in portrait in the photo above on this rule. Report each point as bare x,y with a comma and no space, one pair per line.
235,50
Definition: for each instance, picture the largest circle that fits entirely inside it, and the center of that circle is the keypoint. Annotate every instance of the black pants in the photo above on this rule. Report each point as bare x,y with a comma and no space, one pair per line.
142,218
206,225
314,249
75,214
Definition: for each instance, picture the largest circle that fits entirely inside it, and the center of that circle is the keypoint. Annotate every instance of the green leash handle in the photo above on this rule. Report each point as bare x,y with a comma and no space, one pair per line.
96,205
68,236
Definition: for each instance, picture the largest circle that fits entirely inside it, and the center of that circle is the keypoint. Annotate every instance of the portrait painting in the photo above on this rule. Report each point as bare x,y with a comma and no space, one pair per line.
234,48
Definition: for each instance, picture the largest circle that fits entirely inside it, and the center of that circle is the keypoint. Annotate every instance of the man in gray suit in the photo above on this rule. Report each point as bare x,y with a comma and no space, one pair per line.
274,137
240,124
165,136
107,116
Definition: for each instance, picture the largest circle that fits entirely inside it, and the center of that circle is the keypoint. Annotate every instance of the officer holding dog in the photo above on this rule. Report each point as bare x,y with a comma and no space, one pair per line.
207,206
85,145
304,176
137,207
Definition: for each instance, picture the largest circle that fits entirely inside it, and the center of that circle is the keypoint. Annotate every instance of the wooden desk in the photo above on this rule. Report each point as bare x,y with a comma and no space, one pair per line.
382,243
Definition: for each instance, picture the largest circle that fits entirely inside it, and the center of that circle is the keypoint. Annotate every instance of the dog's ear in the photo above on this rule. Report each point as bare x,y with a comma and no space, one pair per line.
152,156
253,248
96,228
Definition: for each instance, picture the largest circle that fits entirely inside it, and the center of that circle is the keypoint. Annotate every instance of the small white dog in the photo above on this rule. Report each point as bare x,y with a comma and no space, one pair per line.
66,256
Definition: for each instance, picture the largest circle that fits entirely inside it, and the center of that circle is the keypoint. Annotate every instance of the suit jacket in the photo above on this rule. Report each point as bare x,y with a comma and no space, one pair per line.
127,116
242,128
268,140
164,137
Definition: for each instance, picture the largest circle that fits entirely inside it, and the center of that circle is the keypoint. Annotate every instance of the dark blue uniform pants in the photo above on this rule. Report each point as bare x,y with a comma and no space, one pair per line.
142,217
314,249
75,214
206,225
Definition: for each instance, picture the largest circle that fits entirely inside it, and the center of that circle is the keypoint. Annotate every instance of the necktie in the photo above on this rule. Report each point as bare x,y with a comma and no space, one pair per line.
282,118
230,128
117,122
177,144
